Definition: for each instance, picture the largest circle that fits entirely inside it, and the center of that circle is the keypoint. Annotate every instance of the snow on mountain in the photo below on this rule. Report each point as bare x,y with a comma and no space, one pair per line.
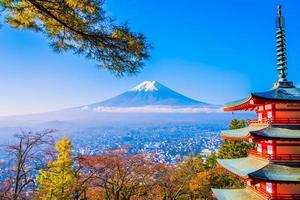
147,86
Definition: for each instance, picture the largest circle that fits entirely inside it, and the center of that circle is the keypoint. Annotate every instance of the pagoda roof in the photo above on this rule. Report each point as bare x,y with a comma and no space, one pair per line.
241,194
285,94
279,132
267,131
242,133
243,166
278,172
237,102
242,104
291,94
262,169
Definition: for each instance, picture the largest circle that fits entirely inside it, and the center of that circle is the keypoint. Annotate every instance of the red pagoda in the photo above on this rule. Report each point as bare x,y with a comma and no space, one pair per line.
272,171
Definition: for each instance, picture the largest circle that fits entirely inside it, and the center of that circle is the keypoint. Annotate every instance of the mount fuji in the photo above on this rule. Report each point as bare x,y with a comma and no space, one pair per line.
150,96
150,100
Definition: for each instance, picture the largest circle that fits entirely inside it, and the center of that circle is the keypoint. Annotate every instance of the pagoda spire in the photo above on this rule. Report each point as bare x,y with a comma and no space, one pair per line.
281,52
281,47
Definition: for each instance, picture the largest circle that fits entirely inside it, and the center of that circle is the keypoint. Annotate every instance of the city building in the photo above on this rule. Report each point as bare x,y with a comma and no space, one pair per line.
272,170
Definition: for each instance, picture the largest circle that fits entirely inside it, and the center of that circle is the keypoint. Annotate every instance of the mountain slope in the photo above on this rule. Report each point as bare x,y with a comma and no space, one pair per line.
150,93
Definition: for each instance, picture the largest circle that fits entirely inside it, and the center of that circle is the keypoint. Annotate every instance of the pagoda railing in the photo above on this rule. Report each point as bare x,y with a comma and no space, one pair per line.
284,196
269,196
275,121
259,121
291,157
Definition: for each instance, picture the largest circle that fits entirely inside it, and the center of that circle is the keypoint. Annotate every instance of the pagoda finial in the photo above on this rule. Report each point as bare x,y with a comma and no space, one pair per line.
281,47
281,52
279,11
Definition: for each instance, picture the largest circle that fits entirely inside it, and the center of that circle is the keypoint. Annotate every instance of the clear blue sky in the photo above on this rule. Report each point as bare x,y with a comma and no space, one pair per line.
214,51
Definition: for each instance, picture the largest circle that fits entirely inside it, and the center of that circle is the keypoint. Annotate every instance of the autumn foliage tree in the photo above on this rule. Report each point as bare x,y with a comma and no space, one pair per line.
202,183
215,176
29,154
117,176
121,177
81,26
172,182
59,180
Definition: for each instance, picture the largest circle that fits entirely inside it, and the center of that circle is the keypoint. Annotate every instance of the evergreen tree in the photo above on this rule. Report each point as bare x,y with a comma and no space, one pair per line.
237,124
81,26
59,181
211,160
235,149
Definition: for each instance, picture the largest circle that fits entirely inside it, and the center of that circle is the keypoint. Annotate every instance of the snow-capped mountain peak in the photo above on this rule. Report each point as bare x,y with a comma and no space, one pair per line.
150,93
147,86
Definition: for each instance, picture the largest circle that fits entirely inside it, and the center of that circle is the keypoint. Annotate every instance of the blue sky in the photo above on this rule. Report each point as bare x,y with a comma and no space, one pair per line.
214,51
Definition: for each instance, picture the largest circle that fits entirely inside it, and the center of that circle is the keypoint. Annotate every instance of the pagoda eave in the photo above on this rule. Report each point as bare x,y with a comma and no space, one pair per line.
257,138
243,134
241,194
279,132
248,104
261,169
242,167
277,95
242,139
276,172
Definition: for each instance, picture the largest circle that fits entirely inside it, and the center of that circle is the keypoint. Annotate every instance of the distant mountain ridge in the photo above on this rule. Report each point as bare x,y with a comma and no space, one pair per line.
150,93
